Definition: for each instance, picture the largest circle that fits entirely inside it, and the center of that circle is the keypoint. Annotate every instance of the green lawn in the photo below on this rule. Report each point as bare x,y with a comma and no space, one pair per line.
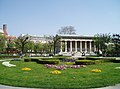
40,77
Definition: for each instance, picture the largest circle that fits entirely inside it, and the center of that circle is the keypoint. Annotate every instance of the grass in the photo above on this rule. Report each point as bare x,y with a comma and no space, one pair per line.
40,76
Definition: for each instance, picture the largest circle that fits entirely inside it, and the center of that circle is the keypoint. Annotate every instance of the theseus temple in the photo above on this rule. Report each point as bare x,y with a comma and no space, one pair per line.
76,43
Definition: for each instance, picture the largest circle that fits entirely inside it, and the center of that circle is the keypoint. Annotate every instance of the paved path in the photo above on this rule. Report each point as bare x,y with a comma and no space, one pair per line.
10,87
117,86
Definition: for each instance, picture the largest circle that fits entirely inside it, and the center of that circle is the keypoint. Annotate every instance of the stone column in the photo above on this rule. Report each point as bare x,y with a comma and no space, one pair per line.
61,46
75,46
90,47
70,46
85,46
65,46
81,46
94,48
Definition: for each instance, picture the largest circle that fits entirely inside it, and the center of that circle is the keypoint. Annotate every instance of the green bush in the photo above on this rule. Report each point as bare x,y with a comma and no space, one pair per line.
35,59
51,58
107,59
49,61
84,62
94,58
81,58
27,59
9,56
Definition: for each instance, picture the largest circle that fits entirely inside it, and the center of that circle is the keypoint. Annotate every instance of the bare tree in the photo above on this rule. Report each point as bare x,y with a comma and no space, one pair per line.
67,30
21,41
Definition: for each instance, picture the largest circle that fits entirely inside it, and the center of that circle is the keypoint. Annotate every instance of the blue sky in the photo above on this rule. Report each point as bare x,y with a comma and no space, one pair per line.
46,17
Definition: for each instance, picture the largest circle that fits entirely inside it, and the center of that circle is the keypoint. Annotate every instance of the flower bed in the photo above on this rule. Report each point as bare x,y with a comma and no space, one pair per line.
62,67
55,72
26,69
96,70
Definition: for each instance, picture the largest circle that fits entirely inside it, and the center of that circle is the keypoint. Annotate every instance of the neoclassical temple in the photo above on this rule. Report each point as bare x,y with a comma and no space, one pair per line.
76,43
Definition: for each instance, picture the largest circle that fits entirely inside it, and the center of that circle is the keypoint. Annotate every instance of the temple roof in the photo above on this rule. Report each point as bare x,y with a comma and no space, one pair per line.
67,35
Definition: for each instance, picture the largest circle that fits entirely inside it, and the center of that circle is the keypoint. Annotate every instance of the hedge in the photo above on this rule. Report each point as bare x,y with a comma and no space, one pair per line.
50,58
9,56
31,59
49,61
85,62
107,59
81,58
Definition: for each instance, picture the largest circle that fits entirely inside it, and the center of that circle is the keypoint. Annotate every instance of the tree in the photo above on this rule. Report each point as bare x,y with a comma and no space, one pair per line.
100,41
116,41
67,30
38,47
54,43
21,41
29,46
46,48
10,46
2,43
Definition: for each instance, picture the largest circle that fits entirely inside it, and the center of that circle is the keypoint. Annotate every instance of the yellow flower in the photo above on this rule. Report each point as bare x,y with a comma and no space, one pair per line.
55,72
96,70
26,68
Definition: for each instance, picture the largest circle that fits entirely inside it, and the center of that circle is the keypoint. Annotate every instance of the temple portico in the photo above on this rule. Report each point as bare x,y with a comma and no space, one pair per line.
77,43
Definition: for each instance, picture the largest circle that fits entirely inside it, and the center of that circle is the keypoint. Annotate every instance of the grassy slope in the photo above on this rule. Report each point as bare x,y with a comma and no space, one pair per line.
39,76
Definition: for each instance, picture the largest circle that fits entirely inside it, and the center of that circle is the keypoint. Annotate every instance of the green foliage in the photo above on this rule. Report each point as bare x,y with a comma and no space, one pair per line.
94,58
21,41
9,56
38,47
109,59
29,46
100,40
31,59
81,58
84,62
49,61
46,48
2,43
27,59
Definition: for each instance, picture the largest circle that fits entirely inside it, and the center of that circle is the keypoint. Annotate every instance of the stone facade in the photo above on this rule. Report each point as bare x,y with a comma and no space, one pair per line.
76,43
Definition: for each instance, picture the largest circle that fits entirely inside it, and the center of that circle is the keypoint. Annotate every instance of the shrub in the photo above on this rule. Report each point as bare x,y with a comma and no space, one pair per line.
9,56
27,59
84,62
93,58
117,60
107,59
50,58
49,61
81,58
34,59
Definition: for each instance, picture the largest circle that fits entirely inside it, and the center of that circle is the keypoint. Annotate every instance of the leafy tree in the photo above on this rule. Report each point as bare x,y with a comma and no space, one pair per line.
10,46
54,43
2,42
46,48
110,50
21,41
29,46
100,41
116,41
38,47
67,30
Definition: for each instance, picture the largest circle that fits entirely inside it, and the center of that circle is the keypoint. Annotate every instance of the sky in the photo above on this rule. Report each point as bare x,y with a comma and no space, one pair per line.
46,17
